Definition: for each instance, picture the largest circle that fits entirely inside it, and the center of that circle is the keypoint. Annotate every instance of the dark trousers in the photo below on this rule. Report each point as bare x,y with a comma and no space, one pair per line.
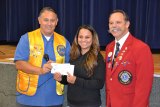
20,105
70,105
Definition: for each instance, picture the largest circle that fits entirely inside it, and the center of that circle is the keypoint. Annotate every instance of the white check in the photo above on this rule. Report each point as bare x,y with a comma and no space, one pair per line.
62,68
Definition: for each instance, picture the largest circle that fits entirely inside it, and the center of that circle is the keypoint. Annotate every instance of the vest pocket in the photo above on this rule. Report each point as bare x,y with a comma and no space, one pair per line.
23,82
27,83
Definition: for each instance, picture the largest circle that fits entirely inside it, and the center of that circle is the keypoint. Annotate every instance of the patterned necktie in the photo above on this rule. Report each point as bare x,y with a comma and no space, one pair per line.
116,53
117,49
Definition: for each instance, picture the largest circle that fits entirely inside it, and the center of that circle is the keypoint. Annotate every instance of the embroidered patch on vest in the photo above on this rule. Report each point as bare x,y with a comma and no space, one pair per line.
61,50
125,77
36,51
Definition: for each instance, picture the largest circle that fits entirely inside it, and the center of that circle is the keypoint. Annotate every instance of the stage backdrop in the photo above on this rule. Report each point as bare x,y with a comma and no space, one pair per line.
20,16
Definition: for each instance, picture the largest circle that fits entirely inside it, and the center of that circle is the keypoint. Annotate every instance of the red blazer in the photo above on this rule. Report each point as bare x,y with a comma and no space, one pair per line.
129,82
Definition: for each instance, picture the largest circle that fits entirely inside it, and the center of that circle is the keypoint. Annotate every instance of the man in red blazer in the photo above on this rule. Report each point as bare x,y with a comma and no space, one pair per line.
129,67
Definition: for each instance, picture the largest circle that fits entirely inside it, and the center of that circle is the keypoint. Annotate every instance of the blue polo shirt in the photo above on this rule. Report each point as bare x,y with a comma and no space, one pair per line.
46,91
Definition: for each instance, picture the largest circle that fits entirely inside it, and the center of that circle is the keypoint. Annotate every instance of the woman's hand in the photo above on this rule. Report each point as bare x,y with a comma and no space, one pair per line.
71,78
57,76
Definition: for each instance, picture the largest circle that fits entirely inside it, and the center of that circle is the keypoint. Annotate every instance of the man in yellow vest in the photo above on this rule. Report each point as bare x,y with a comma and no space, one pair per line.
34,54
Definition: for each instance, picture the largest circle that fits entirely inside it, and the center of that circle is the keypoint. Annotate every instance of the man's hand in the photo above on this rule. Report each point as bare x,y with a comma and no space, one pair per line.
46,67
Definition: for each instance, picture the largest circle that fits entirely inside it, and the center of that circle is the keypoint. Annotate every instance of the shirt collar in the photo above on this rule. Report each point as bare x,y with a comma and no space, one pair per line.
46,38
122,40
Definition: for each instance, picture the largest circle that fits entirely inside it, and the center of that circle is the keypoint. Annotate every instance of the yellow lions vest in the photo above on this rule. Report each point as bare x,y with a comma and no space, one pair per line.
27,83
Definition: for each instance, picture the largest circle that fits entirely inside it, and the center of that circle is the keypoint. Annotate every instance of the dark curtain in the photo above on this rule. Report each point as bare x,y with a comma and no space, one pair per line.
20,16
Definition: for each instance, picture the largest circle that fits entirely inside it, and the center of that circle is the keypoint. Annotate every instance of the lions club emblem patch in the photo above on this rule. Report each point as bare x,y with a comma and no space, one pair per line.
61,50
125,77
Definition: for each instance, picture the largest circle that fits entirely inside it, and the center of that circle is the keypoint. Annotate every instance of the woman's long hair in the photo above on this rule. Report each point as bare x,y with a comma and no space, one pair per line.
91,59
